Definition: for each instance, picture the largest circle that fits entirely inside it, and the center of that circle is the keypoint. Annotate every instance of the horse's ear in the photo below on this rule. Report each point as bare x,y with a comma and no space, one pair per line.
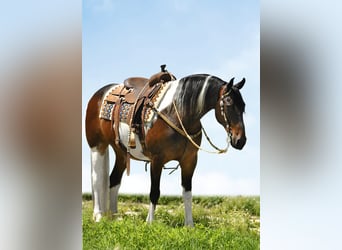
240,84
230,83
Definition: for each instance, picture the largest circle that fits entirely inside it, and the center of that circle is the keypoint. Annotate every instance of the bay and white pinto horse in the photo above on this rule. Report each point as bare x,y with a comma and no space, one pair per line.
174,134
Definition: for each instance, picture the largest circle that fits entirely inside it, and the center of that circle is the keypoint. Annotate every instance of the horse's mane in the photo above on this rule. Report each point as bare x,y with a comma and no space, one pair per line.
193,90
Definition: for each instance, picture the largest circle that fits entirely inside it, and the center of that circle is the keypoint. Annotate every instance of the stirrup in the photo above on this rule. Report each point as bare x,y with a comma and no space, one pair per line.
131,139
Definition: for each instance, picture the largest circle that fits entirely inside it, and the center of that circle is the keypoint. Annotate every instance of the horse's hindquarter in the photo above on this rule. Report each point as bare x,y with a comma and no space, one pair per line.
98,131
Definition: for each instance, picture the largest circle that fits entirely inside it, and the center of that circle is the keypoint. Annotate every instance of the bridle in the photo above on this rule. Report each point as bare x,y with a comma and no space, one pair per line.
223,114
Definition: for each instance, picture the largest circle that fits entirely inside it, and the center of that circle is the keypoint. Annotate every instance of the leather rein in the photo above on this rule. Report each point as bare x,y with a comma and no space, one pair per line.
191,138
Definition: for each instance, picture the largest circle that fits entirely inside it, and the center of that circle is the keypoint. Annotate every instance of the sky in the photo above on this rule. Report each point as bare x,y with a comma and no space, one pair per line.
121,39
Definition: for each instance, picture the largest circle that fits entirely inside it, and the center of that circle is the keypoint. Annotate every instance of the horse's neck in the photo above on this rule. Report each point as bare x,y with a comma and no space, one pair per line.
195,103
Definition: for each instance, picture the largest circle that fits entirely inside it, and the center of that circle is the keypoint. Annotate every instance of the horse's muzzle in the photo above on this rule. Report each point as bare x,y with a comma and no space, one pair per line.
238,142
237,136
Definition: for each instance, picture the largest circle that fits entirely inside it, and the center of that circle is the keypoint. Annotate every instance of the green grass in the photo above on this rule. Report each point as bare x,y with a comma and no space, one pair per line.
220,223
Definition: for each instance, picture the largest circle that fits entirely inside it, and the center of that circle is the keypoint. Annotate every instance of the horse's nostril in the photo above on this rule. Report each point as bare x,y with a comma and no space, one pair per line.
240,142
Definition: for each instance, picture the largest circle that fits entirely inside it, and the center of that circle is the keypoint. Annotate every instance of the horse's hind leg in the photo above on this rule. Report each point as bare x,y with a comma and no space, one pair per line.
115,179
99,177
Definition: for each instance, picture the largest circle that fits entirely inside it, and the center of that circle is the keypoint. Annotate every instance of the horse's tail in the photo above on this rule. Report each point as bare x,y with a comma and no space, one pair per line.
99,155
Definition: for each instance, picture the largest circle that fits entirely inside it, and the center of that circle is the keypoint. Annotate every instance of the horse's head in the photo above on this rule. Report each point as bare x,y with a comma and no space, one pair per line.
229,112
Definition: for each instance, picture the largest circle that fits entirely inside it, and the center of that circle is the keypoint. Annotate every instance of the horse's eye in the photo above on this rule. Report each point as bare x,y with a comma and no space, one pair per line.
228,101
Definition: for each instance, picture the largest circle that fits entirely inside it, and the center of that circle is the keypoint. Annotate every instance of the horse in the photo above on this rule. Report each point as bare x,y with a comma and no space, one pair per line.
175,133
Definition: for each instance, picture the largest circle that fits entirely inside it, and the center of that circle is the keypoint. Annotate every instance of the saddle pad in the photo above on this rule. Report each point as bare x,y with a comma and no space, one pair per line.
107,110
125,108
108,103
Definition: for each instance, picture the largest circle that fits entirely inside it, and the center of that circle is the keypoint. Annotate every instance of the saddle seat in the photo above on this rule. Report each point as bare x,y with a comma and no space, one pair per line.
135,82
138,83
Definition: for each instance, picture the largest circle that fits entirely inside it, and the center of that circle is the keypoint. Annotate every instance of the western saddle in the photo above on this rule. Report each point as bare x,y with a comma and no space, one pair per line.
129,103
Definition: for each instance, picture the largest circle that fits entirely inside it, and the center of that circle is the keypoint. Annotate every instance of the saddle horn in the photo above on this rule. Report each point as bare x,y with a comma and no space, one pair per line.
162,67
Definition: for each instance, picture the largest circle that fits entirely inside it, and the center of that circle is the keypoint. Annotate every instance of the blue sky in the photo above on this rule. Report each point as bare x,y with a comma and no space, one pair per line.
133,38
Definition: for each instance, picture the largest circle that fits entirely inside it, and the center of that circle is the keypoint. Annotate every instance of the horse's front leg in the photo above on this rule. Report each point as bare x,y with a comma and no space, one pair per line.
188,166
156,169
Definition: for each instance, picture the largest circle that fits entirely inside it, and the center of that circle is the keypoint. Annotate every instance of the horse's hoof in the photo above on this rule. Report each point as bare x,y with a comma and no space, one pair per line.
189,224
149,220
97,217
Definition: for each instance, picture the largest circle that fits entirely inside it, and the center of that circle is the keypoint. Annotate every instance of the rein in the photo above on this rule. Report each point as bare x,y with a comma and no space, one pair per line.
172,125
218,150
184,133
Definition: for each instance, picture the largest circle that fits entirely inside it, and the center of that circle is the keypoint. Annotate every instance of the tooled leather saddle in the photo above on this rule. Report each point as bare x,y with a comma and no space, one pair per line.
129,103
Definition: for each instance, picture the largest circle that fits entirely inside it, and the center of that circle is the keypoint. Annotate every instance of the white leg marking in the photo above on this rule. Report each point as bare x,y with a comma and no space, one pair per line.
187,199
150,216
114,194
100,180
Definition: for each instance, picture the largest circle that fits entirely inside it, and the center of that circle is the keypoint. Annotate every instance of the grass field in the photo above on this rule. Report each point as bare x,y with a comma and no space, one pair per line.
220,223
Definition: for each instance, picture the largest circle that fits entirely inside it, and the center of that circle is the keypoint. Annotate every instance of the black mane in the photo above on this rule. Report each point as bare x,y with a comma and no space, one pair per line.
189,91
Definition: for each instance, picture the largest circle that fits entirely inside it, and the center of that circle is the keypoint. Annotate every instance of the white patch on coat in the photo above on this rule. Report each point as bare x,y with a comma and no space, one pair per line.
135,152
100,182
201,97
168,97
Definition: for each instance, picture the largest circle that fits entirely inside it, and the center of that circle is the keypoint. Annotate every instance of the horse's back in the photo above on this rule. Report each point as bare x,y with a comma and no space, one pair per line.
94,131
